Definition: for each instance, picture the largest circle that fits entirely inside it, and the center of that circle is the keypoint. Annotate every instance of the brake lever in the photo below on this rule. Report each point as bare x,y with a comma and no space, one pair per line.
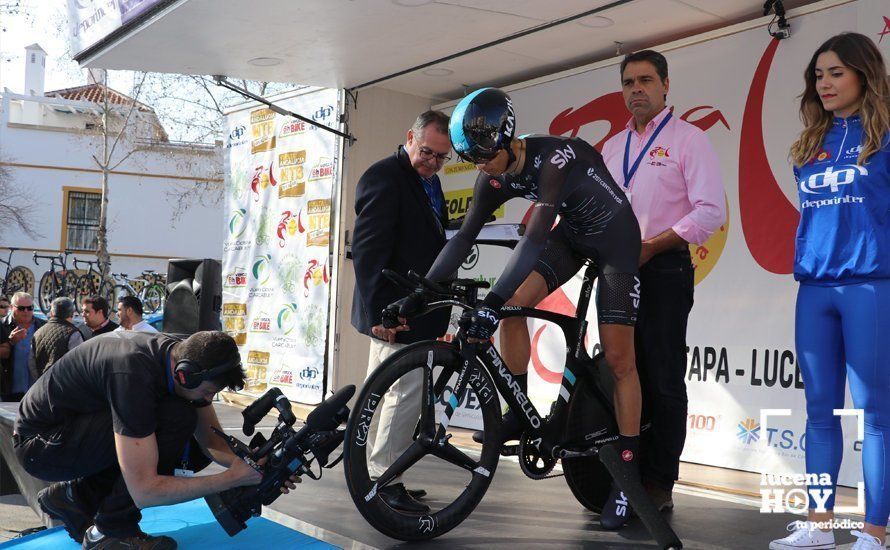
398,279
426,283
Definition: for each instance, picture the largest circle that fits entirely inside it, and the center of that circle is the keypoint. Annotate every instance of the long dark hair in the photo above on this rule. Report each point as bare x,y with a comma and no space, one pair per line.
859,53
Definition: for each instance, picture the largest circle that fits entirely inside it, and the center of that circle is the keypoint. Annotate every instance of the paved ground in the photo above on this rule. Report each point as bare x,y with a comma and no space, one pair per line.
15,516
515,513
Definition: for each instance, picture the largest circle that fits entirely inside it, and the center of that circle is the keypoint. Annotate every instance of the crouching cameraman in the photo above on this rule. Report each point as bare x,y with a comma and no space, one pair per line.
112,422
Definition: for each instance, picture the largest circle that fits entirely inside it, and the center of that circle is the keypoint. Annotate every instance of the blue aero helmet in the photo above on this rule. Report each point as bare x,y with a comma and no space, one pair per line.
482,124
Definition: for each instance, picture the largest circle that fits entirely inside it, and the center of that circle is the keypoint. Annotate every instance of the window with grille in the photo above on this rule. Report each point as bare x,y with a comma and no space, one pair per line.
83,220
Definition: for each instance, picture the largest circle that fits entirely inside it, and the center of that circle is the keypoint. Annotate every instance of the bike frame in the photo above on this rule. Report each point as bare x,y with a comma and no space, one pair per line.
545,434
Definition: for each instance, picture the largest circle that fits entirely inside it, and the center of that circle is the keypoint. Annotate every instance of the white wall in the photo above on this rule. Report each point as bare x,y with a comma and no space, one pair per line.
43,160
380,123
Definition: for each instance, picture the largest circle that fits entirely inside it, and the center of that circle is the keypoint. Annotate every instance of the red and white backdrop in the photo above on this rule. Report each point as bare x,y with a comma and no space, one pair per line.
741,90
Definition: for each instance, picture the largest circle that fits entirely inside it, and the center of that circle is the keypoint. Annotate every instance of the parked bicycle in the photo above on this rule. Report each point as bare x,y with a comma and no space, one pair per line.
152,294
57,282
578,431
91,283
16,278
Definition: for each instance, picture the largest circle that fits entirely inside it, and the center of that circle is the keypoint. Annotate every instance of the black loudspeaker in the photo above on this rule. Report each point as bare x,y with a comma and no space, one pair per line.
194,300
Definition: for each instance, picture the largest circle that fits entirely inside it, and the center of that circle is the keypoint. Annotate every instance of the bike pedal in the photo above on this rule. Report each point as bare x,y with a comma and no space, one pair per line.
510,450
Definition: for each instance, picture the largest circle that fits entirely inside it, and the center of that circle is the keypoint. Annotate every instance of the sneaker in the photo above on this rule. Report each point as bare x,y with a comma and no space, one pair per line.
511,428
93,539
866,541
616,510
804,534
59,502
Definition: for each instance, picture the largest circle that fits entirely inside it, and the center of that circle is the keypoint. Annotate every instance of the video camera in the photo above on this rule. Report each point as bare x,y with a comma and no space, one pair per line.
287,452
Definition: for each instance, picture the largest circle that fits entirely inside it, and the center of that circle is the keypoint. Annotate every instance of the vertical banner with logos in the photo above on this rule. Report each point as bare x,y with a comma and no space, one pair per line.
281,178
740,89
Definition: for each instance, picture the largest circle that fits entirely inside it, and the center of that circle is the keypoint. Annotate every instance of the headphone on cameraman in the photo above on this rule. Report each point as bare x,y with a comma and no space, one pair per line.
190,375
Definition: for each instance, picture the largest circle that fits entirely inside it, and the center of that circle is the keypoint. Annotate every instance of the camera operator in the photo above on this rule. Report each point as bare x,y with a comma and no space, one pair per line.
116,418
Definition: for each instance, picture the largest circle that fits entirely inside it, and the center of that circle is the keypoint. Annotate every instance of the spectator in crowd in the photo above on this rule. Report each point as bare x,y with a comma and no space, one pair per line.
678,199
56,338
842,262
95,315
129,312
4,306
16,332
399,225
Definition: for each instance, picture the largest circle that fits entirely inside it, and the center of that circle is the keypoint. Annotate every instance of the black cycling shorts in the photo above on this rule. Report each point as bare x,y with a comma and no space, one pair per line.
616,253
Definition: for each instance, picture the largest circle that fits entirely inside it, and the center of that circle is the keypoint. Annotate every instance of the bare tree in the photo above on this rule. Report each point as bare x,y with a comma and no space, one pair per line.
106,161
193,109
17,209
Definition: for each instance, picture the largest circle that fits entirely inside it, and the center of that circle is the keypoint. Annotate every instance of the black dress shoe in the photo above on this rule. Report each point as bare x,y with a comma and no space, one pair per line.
397,498
511,428
416,494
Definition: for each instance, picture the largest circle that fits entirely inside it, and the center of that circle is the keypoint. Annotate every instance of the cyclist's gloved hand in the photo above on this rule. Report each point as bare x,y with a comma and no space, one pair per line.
483,322
408,306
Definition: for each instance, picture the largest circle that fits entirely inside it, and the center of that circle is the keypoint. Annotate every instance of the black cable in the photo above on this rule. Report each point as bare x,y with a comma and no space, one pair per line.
499,41
223,82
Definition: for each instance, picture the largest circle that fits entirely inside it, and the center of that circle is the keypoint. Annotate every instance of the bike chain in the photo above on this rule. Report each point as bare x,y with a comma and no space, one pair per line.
535,473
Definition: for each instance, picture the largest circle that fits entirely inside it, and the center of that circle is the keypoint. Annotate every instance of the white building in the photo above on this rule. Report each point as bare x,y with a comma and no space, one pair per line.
47,144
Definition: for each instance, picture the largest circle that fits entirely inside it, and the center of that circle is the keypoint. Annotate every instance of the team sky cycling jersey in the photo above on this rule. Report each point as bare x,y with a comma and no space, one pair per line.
564,176
844,230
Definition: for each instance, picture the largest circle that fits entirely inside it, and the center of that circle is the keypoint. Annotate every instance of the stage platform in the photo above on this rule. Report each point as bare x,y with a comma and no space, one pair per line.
516,513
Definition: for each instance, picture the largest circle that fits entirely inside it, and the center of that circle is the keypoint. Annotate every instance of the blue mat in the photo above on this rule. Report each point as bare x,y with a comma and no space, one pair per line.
193,526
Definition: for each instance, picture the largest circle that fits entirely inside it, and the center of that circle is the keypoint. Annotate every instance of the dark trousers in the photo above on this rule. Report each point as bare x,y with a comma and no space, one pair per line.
666,289
82,451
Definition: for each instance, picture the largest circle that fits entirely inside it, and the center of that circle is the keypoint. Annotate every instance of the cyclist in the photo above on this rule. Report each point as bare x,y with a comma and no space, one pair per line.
565,177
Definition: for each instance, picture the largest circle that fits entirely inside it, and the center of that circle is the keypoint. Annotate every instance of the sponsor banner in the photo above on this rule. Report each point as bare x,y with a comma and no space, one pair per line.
92,20
741,90
276,288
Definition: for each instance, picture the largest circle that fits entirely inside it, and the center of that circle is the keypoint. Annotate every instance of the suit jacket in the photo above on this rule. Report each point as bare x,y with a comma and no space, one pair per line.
7,325
395,228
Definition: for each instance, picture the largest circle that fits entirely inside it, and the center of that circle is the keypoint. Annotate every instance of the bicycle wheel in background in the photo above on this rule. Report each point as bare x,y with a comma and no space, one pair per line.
45,291
459,488
153,298
85,287
589,481
69,286
106,290
18,279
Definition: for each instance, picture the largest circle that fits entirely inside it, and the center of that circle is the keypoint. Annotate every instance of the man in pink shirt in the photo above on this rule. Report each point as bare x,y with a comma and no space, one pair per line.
671,175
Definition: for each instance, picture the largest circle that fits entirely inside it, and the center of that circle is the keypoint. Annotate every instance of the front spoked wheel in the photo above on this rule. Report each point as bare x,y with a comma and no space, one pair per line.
462,475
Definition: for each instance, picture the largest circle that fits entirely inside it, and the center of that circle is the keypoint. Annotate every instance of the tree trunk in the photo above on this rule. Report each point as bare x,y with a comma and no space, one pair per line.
102,232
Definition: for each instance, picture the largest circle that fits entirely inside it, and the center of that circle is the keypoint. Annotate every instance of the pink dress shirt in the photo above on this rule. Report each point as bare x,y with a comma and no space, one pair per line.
677,184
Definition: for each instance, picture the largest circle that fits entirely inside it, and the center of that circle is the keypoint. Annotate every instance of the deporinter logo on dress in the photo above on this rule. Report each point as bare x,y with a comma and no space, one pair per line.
832,178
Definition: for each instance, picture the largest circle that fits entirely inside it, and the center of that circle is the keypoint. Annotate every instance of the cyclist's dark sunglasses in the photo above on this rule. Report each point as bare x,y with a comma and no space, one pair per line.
25,308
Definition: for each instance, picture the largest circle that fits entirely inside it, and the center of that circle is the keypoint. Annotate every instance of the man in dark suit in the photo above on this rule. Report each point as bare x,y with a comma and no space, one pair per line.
399,225
16,331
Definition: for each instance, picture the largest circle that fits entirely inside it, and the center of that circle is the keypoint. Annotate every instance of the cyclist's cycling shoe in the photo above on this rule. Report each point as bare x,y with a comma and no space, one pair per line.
511,428
616,510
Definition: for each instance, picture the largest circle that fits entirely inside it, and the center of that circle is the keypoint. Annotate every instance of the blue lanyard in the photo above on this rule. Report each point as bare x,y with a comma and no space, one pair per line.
629,174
